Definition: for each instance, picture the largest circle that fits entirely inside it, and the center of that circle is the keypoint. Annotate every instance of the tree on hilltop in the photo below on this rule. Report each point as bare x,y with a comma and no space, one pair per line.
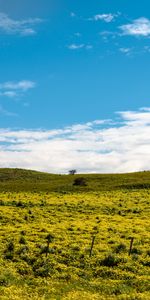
72,172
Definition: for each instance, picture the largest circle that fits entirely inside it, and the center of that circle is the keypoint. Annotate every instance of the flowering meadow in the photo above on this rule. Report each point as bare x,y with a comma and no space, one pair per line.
60,241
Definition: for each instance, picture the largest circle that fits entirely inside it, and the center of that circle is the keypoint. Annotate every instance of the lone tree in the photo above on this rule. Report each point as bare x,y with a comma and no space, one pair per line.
72,172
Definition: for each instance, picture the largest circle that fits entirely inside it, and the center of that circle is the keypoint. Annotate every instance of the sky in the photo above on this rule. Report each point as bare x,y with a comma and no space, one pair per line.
74,85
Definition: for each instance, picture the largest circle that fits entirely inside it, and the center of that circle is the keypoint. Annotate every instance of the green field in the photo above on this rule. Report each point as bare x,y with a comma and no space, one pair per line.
47,228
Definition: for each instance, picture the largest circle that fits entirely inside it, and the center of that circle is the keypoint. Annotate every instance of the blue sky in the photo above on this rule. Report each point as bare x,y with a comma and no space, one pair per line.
69,63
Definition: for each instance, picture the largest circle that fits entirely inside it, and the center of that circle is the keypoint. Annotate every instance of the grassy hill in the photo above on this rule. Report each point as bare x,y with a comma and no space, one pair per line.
27,180
47,227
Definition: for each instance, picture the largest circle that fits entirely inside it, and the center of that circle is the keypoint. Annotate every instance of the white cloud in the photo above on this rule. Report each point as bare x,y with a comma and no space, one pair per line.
126,51
23,85
80,46
139,27
104,17
75,46
28,31
99,146
21,27
13,89
9,94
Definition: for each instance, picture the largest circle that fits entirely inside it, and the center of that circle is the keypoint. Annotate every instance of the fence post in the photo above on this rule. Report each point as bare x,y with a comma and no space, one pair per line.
92,245
131,245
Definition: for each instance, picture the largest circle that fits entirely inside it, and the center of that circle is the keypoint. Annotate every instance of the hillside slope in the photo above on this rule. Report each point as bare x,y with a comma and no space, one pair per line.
27,180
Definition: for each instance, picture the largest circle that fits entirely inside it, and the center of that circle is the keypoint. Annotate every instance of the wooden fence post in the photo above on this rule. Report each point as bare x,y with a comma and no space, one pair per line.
131,245
92,245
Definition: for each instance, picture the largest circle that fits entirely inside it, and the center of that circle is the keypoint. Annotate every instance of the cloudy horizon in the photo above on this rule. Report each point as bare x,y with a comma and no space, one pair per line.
120,145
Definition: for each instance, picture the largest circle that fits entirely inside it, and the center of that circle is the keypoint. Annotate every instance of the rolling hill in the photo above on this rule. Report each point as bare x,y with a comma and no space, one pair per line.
27,180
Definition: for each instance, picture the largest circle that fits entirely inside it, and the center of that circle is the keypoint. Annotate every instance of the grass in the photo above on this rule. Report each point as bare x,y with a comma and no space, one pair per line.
16,180
47,227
